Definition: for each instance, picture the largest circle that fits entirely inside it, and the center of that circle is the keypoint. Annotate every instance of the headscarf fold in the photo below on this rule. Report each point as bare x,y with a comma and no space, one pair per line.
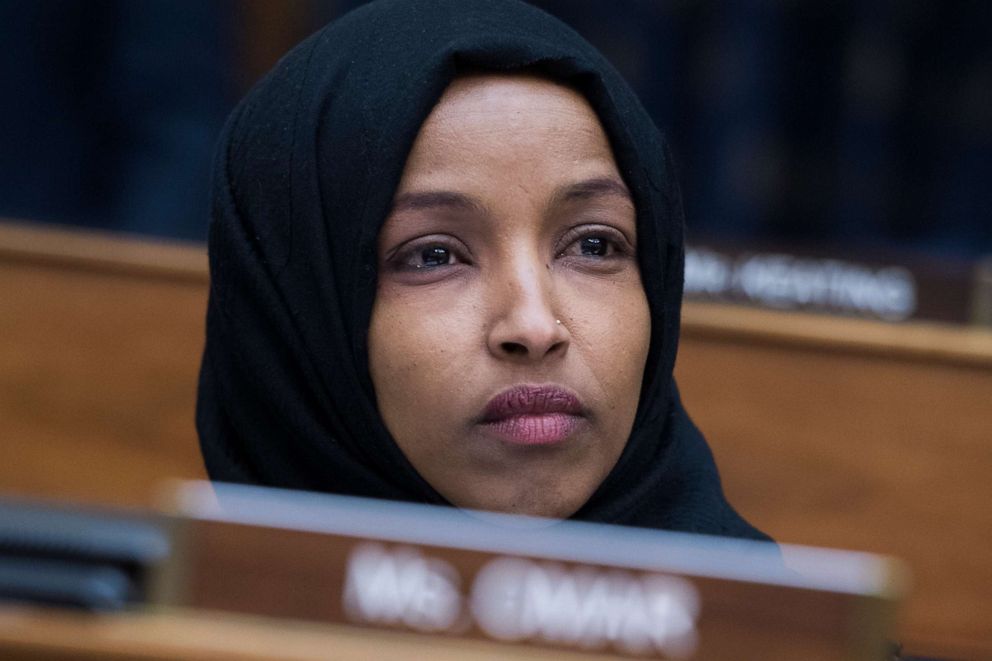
305,174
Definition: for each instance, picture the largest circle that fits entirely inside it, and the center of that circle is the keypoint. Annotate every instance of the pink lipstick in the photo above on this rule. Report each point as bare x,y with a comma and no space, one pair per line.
533,415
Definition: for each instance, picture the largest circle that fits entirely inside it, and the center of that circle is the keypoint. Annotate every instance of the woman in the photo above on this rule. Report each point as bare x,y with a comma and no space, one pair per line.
446,258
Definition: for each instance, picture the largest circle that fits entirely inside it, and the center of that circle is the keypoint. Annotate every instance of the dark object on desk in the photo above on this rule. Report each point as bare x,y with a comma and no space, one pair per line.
63,557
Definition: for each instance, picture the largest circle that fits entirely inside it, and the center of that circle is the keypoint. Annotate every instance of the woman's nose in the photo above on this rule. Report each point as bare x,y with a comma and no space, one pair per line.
526,327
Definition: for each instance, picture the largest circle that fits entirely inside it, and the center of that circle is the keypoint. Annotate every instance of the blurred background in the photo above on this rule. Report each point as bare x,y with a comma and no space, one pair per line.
834,156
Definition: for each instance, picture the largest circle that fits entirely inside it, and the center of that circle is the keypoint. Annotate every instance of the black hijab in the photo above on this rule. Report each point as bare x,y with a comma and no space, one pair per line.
304,178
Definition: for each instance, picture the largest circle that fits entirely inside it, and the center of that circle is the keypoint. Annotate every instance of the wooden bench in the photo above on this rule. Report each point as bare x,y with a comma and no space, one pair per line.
832,432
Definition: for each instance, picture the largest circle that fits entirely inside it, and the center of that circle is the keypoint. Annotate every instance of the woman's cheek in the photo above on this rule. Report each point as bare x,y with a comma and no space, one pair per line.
417,347
610,324
614,310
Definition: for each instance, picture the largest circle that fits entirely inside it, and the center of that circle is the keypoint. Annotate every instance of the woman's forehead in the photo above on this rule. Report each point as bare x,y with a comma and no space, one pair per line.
514,96
517,121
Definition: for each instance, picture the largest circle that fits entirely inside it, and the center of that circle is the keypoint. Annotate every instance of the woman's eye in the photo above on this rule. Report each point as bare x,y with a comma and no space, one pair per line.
593,245
433,256
596,246
427,255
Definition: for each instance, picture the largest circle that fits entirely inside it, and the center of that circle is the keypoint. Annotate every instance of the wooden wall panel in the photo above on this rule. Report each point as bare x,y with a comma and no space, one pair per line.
844,445
98,368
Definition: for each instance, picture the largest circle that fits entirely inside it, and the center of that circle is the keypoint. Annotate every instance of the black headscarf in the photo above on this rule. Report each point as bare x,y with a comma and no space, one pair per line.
304,178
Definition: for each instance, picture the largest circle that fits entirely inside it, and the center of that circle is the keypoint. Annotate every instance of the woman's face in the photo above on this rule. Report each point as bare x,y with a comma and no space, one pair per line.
510,328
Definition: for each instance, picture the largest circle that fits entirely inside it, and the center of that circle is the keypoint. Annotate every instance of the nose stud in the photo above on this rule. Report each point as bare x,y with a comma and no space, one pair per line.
558,321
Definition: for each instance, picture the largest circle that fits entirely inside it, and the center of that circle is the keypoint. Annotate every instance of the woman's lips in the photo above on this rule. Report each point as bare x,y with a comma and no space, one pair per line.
533,415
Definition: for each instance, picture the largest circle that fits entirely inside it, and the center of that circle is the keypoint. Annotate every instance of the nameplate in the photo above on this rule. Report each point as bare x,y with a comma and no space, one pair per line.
568,585
893,287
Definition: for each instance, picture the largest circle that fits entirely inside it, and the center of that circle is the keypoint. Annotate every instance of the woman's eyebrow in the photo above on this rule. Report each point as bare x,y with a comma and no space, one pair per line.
591,188
437,199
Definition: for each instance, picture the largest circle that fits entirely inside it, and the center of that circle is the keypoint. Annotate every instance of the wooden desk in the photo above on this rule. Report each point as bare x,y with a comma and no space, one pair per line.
828,431
36,635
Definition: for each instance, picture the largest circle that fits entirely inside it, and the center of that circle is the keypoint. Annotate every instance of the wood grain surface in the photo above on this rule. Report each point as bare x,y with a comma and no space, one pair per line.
99,347
835,432
31,635
848,449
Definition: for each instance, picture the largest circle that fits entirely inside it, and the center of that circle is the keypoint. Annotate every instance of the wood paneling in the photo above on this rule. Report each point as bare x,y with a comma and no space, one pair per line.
828,431
99,346
860,435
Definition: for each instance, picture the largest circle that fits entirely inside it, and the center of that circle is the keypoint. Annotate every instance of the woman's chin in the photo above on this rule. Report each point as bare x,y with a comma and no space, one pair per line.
555,499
